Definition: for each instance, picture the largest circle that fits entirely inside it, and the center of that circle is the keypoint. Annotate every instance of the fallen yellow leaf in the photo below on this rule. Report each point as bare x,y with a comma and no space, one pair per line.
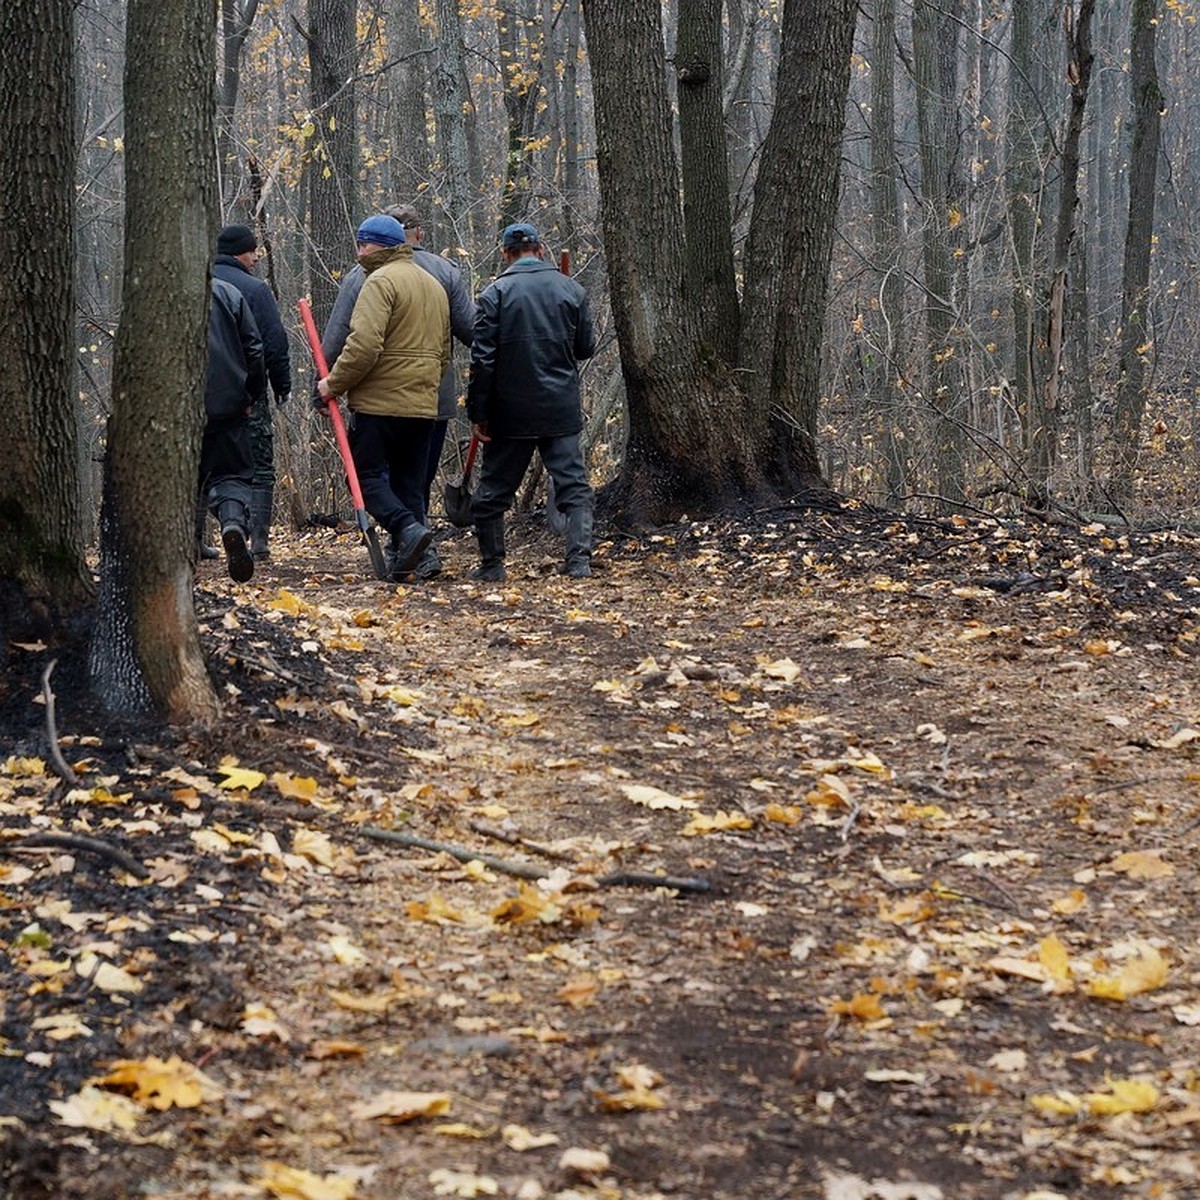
161,1084
395,1107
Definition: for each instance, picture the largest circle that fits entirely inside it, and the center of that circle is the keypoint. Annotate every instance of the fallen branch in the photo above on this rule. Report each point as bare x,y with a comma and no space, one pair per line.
520,869
523,870
77,841
60,764
515,839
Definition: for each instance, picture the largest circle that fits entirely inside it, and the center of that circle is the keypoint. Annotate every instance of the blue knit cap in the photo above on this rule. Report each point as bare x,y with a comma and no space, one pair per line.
383,231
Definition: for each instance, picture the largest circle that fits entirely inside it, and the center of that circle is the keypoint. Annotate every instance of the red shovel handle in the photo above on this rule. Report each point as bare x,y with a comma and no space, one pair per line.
564,262
331,407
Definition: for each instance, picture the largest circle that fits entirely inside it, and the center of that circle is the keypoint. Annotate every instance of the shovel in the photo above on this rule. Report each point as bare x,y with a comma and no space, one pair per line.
369,536
456,497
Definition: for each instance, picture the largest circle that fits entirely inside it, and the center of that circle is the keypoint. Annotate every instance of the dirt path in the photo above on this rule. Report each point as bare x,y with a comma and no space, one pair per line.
939,780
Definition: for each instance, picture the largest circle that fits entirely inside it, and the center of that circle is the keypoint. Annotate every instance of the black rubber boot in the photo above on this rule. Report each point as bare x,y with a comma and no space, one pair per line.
261,502
578,564
491,551
239,560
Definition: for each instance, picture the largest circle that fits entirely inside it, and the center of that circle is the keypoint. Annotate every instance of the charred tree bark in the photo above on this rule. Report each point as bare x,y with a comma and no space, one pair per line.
146,655
41,496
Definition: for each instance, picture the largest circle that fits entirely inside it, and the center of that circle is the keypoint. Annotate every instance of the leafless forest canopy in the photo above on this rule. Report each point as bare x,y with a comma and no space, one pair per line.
989,339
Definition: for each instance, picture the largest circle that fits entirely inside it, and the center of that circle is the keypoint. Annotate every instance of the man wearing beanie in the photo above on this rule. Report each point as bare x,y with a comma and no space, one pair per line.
395,354
237,253
235,377
462,323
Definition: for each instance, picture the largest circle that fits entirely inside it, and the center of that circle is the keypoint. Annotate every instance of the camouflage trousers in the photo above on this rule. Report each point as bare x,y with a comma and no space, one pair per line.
262,442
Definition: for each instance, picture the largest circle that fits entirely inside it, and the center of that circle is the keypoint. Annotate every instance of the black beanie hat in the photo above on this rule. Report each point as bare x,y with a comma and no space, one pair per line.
236,239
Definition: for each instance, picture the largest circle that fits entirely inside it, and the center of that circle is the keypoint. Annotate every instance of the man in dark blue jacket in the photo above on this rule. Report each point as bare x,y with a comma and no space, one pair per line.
236,376
532,326
237,253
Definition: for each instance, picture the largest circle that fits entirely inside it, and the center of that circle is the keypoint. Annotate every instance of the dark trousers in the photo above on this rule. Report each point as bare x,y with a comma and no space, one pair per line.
391,456
505,461
262,442
226,466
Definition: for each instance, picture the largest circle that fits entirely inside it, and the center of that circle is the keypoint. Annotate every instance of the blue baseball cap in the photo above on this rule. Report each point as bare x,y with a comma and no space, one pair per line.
383,231
521,236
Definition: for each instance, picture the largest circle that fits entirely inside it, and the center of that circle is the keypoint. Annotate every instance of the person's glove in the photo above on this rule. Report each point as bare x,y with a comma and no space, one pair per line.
281,398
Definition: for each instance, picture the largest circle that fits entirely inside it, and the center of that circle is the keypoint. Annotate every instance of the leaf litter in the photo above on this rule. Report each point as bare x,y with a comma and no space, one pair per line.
890,742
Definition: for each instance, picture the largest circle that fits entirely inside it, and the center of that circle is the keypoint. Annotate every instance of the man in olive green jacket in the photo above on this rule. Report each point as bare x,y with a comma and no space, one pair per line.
389,371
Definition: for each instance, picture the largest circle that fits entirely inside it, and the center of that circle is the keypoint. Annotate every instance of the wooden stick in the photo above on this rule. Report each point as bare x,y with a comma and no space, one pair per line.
524,870
462,853
515,839
77,841
56,757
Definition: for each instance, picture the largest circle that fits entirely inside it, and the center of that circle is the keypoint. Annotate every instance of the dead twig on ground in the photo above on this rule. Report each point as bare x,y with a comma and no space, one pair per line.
524,870
56,757
515,839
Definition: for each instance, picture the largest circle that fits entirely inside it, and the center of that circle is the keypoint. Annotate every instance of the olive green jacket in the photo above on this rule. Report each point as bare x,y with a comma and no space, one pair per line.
399,343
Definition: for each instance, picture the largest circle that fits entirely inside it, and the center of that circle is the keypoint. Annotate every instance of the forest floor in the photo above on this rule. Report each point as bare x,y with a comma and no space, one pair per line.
930,789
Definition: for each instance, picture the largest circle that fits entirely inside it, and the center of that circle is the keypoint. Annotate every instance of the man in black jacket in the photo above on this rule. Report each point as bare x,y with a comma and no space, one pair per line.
237,253
236,376
532,326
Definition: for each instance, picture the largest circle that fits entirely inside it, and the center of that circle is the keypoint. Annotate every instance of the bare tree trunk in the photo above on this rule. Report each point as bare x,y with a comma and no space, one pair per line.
572,18
236,19
791,233
707,219
518,86
449,103
1044,425
885,205
1136,338
410,144
333,167
146,654
41,498
931,31
1022,179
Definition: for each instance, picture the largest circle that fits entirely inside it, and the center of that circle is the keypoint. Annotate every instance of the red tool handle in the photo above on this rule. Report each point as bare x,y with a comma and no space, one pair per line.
564,262
331,407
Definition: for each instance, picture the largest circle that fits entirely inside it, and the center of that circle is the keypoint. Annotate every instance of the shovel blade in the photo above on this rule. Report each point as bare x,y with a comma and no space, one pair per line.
456,500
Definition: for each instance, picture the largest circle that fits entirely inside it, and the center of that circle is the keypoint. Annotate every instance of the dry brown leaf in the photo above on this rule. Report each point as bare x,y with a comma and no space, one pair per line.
394,1107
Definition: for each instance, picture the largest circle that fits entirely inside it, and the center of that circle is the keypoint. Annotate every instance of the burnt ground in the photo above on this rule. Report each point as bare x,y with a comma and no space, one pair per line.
937,781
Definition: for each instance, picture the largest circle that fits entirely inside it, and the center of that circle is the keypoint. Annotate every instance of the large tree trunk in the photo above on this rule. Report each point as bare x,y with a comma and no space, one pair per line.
333,169
702,436
146,654
1136,338
41,499
707,219
791,236
1044,425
